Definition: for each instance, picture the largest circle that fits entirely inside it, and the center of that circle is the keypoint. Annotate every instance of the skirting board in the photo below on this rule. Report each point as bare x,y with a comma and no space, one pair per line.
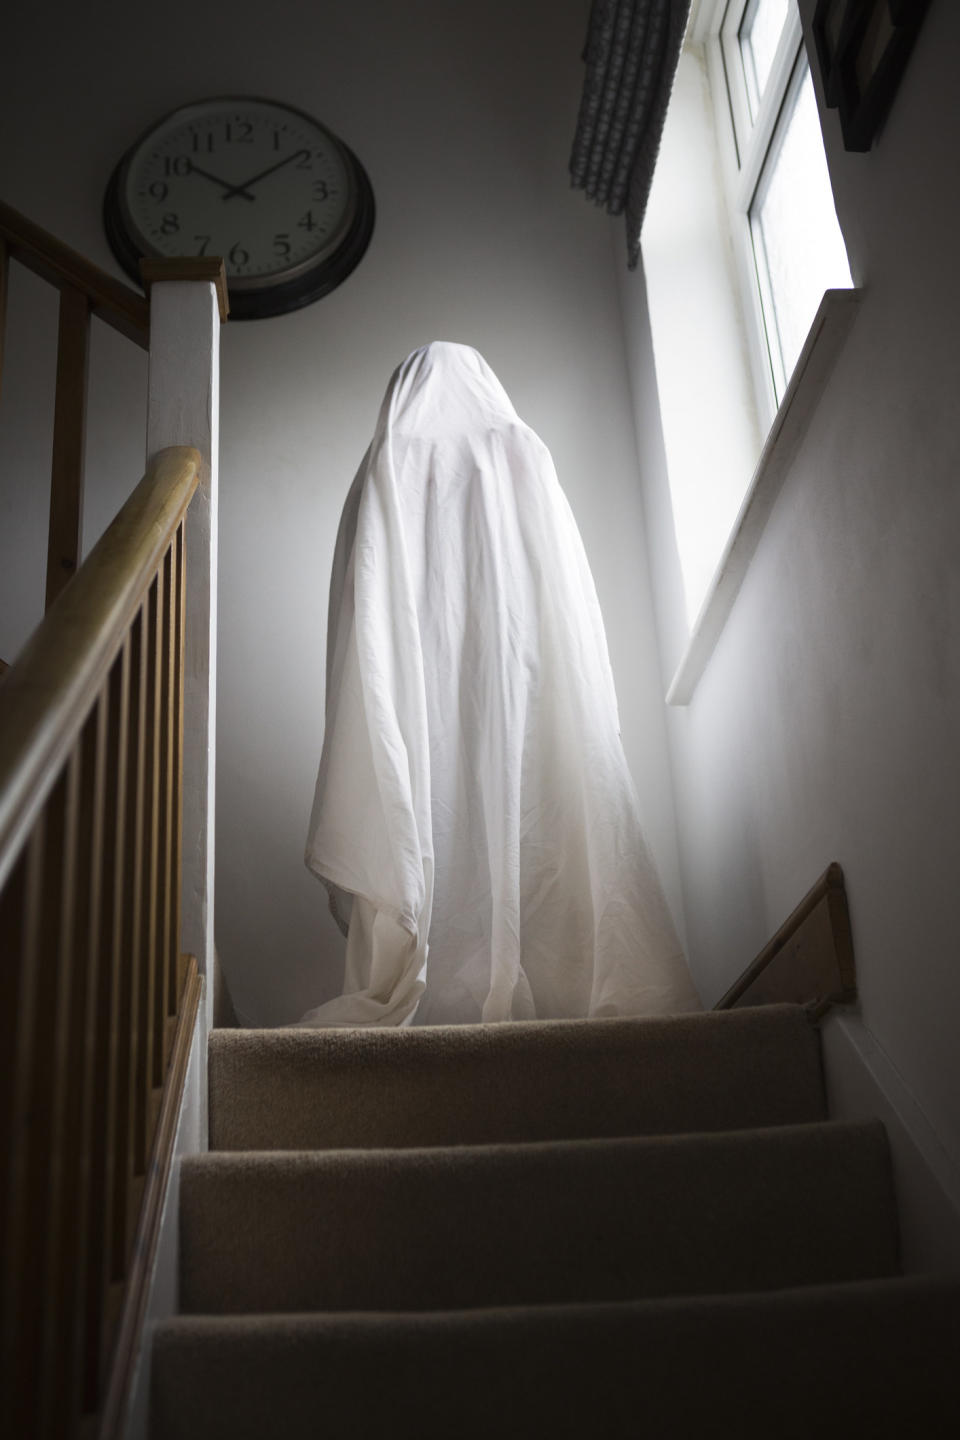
162,1299
862,1083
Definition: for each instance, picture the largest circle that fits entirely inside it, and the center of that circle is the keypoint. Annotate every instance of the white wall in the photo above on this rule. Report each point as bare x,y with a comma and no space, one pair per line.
463,116
826,724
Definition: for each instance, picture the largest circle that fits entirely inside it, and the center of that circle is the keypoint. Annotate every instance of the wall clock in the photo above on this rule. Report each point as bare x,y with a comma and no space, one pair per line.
271,190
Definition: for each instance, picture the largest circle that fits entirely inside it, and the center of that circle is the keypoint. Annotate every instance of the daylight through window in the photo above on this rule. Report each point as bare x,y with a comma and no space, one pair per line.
779,193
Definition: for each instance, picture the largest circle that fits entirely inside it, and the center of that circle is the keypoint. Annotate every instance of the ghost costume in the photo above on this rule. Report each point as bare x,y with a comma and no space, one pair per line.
474,816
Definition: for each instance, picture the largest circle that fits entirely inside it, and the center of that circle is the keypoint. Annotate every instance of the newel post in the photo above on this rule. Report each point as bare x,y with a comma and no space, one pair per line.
187,305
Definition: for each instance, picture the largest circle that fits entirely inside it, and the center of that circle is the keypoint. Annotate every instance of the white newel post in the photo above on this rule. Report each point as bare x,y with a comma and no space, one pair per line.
184,409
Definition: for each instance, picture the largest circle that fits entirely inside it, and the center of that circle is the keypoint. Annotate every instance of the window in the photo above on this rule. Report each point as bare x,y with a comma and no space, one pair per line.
739,242
787,242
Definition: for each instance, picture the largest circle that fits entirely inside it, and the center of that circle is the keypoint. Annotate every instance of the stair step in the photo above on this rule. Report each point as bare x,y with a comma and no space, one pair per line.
549,1222
481,1084
871,1359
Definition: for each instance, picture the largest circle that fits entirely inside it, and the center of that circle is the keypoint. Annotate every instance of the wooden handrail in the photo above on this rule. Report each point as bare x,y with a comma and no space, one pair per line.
63,666
109,299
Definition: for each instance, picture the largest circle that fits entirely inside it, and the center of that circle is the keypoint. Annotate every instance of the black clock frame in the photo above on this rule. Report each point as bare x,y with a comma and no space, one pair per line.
253,302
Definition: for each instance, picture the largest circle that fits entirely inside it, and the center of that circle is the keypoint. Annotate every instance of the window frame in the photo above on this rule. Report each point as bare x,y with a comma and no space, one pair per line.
744,144
709,340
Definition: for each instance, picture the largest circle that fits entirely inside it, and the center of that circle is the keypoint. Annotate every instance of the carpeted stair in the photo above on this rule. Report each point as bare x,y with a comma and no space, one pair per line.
591,1228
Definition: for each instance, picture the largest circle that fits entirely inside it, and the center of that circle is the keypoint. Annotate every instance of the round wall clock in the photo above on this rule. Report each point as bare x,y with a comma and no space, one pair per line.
285,203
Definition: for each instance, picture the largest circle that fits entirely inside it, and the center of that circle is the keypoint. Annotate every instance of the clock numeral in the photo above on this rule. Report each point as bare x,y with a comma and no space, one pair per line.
202,142
307,222
321,190
239,256
170,224
305,161
239,132
281,246
204,242
159,189
276,139
176,165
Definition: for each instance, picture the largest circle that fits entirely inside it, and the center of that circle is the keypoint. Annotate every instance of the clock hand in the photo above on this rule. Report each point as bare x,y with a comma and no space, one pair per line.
231,189
240,189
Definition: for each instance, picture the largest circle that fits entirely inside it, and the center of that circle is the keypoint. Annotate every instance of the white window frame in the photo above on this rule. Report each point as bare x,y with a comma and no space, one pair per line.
744,143
710,339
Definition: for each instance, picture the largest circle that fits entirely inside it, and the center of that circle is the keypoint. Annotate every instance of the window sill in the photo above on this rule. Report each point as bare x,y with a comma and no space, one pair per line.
828,332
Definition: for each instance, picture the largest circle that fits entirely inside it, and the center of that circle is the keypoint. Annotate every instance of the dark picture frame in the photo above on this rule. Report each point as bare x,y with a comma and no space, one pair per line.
862,50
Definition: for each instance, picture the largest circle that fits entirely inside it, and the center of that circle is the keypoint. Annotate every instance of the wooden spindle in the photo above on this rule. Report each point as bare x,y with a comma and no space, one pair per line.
131,918
69,434
66,1301
68,966
15,1001
166,920
30,1241
12,906
146,956
4,286
180,567
16,1355
106,1058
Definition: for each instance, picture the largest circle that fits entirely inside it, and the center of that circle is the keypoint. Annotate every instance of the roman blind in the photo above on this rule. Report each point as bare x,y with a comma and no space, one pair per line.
631,56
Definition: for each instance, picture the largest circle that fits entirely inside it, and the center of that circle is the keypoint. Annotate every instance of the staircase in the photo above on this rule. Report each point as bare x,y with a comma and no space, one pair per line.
591,1228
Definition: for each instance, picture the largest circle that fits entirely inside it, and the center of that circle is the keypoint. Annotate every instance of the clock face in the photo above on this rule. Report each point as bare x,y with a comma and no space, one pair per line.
286,204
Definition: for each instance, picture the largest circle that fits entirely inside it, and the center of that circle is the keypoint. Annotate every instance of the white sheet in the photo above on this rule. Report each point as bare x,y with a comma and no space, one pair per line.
473,793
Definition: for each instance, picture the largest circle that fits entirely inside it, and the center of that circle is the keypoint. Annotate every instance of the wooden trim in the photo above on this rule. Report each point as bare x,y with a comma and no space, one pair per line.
69,443
110,300
189,267
54,684
810,959
148,1226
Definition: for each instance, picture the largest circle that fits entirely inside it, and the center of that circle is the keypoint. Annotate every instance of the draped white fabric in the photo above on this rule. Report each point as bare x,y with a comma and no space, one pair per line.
473,806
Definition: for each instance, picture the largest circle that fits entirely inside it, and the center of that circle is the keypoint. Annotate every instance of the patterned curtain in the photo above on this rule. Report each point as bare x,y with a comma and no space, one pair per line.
631,57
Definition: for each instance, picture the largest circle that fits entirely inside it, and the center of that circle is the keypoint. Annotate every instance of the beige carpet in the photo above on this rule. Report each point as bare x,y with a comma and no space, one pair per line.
476,1084
592,1228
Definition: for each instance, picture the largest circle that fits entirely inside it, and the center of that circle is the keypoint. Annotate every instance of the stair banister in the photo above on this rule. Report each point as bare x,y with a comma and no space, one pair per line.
91,975
106,757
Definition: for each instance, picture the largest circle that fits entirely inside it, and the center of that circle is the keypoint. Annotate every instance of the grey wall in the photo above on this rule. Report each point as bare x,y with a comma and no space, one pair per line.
826,724
462,114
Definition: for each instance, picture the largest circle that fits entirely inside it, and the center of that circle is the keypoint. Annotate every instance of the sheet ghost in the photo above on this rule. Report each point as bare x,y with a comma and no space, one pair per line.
474,815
